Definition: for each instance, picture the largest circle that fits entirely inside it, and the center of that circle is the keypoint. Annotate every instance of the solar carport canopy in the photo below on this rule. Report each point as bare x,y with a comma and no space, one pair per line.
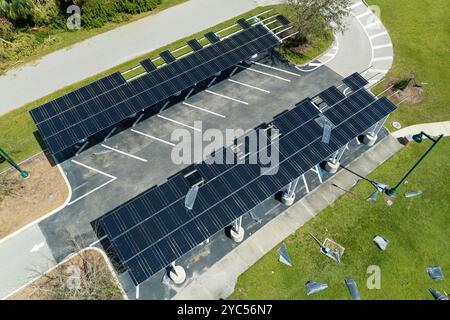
148,235
74,118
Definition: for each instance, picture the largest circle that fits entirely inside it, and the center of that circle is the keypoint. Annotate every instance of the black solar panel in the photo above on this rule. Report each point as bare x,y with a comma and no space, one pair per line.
355,81
194,44
167,56
152,244
243,23
212,37
349,106
94,110
331,95
148,65
282,19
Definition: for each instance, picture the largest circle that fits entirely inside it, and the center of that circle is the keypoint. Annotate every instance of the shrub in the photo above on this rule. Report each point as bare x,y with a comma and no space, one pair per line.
95,13
138,6
6,29
45,12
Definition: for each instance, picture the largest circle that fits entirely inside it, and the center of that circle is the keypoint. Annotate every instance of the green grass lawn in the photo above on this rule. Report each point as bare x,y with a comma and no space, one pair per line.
418,230
420,31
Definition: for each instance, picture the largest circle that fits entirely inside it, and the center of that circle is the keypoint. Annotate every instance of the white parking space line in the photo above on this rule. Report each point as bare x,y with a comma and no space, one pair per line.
381,46
378,70
205,110
226,97
355,5
265,73
93,190
363,14
97,241
371,25
152,137
378,35
124,153
383,58
278,69
178,122
247,85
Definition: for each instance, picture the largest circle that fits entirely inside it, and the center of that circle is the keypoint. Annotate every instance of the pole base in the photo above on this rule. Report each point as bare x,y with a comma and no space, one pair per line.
288,199
237,235
177,274
332,167
370,139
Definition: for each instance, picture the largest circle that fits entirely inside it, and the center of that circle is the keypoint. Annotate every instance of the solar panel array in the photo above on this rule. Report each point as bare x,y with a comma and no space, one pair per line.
331,96
147,245
355,81
148,65
194,44
212,37
68,121
167,56
243,24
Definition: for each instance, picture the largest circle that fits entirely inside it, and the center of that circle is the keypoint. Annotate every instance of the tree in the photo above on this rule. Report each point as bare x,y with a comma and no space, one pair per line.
315,18
15,9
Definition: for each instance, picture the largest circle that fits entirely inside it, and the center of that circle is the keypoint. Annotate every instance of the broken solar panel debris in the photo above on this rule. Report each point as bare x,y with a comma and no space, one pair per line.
437,295
284,255
190,197
413,194
353,289
314,287
381,242
435,273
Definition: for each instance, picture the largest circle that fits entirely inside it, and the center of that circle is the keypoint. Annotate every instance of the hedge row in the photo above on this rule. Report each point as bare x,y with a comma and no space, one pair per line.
95,13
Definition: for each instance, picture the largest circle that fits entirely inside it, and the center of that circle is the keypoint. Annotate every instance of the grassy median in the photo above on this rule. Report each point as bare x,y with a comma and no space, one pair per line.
417,229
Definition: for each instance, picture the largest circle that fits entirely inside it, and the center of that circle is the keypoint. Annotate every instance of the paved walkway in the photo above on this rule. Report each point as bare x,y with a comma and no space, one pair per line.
219,281
433,129
92,56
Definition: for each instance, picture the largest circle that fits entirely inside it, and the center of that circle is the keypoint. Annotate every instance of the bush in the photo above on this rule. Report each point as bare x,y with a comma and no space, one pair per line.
45,12
95,13
138,6
6,29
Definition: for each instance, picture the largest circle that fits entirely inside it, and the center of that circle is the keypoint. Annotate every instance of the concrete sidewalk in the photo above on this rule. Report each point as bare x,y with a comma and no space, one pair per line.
434,129
92,56
219,281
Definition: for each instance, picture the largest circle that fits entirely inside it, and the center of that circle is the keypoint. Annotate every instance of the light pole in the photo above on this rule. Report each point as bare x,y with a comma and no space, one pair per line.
417,138
24,174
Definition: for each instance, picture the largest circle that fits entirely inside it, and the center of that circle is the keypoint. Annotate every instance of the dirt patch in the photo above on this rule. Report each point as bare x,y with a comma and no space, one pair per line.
25,200
86,276
410,94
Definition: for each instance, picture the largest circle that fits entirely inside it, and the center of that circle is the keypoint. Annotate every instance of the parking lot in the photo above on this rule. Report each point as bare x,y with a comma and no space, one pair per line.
132,161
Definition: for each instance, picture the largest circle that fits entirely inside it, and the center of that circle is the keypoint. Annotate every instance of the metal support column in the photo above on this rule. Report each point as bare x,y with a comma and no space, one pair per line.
189,94
110,134
211,82
137,120
82,148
